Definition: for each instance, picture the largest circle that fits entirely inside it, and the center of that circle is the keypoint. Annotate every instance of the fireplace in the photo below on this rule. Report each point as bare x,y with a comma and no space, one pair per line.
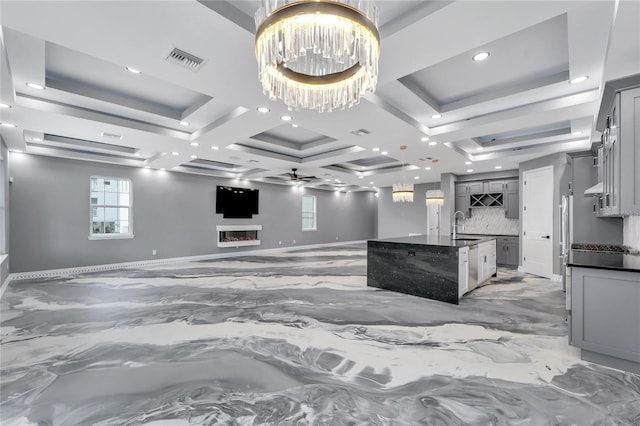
238,235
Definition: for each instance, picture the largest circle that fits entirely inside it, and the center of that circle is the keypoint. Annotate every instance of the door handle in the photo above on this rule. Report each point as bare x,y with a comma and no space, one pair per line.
546,236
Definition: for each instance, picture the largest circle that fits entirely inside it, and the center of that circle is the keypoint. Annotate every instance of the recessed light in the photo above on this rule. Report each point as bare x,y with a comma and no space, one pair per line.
436,116
5,106
371,183
37,140
215,147
133,70
480,56
498,167
416,177
8,125
424,138
286,118
384,153
432,143
175,153
184,123
469,170
294,125
375,149
579,79
35,86
467,163
479,148
136,155
163,153
263,109
427,168
576,133
360,177
193,156
195,144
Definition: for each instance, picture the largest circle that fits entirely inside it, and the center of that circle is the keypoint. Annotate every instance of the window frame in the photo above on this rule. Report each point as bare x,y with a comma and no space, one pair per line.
111,236
314,212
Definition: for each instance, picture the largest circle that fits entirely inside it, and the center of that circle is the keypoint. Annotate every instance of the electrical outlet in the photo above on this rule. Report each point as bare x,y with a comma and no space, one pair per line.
154,251
279,243
336,238
294,241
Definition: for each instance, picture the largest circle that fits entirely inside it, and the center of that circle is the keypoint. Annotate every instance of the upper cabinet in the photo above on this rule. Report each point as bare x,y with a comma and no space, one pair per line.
619,156
512,199
503,194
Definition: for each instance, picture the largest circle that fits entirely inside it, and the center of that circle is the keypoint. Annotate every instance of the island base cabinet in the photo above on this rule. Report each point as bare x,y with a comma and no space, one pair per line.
605,321
425,271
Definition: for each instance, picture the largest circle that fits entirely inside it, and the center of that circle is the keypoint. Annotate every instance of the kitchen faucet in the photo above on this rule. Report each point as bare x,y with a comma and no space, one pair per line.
454,226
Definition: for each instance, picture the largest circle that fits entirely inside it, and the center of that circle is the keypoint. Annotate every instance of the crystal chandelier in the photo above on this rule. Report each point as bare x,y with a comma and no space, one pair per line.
318,54
435,197
402,192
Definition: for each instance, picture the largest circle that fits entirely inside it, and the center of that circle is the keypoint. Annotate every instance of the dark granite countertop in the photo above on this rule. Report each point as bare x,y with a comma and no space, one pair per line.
599,260
434,240
490,235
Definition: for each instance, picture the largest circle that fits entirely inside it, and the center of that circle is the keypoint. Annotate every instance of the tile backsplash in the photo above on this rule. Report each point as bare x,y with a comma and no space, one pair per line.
490,220
631,232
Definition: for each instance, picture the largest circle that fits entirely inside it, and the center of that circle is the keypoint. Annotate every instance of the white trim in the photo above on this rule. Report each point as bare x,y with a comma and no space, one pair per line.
240,243
126,265
110,237
556,277
239,228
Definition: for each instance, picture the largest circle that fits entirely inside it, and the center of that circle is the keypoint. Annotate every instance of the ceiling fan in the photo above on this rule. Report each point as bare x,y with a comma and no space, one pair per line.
297,178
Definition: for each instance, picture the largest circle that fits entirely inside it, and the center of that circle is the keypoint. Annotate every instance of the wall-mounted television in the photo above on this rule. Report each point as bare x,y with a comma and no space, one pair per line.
236,203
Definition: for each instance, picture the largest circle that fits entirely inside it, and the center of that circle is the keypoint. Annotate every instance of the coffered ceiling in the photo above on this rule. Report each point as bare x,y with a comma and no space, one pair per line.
516,105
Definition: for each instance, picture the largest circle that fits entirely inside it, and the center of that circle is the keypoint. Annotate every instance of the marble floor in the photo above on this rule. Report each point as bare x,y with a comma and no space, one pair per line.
294,339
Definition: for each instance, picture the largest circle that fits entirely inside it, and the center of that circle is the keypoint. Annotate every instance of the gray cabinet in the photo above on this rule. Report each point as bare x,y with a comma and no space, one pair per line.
507,251
490,193
605,319
495,186
620,152
512,199
462,198
476,187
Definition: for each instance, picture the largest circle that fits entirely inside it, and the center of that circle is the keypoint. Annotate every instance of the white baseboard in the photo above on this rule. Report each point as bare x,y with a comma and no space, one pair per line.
141,263
556,277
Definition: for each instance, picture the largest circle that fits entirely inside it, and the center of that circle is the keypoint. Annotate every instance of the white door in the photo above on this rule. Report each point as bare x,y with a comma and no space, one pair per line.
433,219
537,221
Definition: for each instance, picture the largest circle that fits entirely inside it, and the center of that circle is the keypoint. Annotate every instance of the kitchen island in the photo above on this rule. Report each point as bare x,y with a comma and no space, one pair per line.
438,268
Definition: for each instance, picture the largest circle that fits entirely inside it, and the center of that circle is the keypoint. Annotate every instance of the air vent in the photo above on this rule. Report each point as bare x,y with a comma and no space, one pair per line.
185,59
361,132
111,136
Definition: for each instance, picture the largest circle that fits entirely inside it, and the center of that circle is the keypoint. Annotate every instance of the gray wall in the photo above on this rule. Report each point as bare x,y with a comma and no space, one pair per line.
173,213
402,219
561,176
4,153
587,227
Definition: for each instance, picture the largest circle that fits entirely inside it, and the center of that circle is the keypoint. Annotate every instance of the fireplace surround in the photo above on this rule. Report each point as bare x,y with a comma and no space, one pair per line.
238,235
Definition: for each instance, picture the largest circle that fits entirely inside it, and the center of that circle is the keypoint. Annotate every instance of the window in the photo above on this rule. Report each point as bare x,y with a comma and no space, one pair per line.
110,208
308,213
